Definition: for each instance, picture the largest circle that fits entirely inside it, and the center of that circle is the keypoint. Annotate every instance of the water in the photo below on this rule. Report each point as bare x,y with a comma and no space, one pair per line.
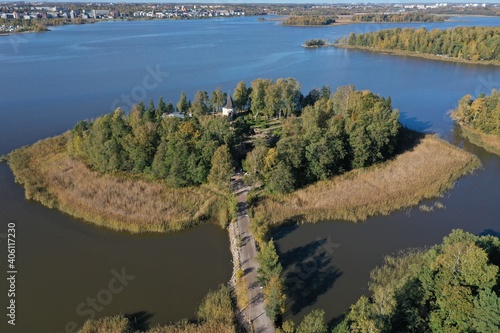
49,81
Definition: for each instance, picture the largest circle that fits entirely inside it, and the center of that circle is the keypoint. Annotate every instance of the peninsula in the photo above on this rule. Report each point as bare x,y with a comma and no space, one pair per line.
462,44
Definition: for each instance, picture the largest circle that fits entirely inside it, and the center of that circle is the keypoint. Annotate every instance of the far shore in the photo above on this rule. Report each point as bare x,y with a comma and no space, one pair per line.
417,55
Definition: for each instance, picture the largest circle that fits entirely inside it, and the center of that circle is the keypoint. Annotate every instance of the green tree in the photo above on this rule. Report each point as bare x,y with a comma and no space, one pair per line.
222,168
313,322
241,96
269,264
183,104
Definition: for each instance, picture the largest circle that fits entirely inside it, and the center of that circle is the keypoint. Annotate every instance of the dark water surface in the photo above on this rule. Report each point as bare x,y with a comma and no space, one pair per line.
51,80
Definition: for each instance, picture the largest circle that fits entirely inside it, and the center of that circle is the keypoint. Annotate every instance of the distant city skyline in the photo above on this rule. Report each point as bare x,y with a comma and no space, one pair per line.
271,1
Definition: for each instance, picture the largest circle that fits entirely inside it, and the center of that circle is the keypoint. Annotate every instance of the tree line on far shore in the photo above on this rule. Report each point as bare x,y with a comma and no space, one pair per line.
466,43
407,17
309,20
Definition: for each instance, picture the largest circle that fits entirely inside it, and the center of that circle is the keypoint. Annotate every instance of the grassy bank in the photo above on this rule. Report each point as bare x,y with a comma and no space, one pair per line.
115,201
489,142
424,171
417,55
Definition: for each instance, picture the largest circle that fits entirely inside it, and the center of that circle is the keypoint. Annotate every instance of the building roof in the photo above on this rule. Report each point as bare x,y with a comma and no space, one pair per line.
229,103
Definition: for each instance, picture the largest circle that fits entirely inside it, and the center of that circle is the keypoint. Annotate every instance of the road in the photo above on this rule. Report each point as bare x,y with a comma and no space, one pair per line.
255,312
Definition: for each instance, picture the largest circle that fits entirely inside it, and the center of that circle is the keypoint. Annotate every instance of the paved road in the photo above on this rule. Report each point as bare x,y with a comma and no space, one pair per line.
255,312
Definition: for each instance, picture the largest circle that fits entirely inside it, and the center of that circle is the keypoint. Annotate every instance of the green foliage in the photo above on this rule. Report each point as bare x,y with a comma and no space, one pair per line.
183,104
309,20
453,287
314,42
269,263
467,43
313,322
222,168
482,114
407,17
241,95
351,129
144,142
217,307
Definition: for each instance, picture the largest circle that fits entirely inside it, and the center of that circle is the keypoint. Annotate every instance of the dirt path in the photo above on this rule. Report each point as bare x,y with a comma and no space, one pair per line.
255,312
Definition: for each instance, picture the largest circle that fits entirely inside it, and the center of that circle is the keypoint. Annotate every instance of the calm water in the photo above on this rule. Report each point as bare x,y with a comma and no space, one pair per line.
49,81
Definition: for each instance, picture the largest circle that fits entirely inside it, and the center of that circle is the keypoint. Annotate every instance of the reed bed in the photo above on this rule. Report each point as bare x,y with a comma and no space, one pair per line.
427,170
119,201
489,142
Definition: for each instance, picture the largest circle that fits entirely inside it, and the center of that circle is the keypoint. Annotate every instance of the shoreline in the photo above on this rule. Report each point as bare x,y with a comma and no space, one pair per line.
488,142
427,170
416,55
119,202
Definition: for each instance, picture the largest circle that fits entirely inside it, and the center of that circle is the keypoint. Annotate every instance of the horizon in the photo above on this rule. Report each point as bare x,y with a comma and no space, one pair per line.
246,2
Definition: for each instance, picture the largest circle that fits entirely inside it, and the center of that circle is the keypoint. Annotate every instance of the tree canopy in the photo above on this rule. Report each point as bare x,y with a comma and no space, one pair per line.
482,113
453,287
467,43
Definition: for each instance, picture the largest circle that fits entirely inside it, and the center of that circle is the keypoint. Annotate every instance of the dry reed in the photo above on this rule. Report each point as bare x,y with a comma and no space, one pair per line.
490,142
118,202
425,171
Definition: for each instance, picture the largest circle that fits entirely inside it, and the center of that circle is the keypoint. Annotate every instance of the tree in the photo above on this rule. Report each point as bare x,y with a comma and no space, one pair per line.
274,297
313,322
162,108
199,107
258,95
269,263
222,168
183,105
241,95
217,99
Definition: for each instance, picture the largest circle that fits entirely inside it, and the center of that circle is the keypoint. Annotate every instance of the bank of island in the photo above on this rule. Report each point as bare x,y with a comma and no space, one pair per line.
479,120
478,45
156,170
162,168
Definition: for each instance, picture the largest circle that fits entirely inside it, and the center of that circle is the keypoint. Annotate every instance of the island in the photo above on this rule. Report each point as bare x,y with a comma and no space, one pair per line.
316,43
309,20
164,168
479,120
461,44
406,17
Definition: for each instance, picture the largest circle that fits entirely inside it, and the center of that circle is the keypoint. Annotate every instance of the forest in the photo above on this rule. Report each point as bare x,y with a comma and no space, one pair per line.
452,287
408,17
335,133
179,151
465,43
309,20
482,113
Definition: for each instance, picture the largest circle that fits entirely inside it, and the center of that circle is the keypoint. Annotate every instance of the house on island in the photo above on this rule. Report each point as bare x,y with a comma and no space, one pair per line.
229,109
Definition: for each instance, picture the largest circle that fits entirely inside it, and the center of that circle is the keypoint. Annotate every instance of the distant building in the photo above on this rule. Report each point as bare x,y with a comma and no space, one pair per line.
173,114
229,109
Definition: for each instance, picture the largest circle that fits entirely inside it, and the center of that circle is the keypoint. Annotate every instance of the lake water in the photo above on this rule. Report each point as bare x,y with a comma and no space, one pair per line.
49,81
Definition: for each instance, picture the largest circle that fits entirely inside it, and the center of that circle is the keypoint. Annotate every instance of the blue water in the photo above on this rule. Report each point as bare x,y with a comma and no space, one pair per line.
49,81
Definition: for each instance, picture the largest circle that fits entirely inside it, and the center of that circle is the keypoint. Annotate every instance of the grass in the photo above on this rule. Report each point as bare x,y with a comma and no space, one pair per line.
119,201
427,170
418,55
490,142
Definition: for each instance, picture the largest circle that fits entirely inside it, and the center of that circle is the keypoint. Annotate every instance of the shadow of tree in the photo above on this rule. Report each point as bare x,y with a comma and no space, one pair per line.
309,273
140,320
284,230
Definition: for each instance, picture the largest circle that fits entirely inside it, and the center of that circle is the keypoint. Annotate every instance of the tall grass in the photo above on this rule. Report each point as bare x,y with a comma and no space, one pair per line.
425,171
490,142
118,201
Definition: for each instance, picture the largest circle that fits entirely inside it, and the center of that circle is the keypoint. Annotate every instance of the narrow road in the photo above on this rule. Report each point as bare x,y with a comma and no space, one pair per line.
255,312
